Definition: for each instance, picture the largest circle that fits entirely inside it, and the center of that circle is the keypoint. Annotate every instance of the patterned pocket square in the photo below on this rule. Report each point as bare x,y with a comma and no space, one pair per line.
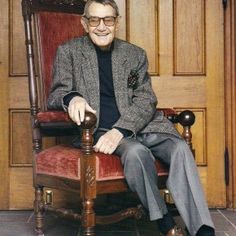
133,79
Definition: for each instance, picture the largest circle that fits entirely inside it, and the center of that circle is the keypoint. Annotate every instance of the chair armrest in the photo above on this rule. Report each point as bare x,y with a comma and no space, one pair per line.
52,116
186,118
58,123
55,123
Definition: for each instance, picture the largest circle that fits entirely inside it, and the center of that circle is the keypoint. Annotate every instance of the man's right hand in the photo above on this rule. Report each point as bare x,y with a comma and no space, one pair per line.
77,108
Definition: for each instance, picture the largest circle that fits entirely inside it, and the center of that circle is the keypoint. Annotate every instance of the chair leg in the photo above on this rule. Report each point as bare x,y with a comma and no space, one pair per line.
88,218
38,210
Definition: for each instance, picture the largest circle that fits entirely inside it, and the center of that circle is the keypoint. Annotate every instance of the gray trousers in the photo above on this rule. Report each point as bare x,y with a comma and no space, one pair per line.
138,156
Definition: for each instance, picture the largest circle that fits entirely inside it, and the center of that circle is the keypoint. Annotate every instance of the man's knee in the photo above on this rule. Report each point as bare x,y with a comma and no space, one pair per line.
181,150
137,159
133,153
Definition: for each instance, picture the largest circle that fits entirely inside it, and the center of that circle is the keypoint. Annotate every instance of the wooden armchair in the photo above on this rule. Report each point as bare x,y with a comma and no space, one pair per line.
48,23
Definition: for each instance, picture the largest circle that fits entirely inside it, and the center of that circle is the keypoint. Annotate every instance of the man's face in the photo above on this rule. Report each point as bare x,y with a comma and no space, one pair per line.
103,34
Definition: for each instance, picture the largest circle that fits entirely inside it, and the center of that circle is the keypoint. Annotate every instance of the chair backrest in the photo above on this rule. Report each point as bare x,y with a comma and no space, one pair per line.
53,30
54,22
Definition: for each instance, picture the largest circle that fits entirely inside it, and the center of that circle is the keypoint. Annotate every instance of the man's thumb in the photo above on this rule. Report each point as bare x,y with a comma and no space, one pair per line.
88,108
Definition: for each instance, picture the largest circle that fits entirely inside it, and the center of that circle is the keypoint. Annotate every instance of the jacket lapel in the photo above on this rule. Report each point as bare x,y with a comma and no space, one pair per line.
91,74
119,71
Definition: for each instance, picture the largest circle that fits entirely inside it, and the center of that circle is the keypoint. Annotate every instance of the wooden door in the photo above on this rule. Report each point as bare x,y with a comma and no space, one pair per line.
184,43
186,54
15,145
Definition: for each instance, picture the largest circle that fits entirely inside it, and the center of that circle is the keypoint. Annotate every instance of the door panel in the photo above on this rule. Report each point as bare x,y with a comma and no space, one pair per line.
184,44
189,37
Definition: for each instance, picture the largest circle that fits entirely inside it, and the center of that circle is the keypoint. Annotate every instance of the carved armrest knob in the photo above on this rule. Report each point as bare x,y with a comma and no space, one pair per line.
186,118
87,135
89,120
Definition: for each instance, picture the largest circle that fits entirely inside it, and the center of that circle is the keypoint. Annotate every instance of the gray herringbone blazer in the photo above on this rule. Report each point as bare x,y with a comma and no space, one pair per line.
76,70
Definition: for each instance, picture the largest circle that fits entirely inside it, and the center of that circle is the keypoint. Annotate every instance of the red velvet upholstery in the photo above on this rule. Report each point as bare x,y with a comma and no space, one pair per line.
51,36
63,161
167,111
52,116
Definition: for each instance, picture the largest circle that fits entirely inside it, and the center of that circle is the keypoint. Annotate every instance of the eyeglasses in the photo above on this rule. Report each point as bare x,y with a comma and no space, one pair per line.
95,21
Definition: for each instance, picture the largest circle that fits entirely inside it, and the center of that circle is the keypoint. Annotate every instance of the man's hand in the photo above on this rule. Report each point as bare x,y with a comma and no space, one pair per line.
108,142
77,108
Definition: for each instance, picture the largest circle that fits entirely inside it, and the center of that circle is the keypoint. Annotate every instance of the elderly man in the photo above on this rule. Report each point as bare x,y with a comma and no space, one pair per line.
108,76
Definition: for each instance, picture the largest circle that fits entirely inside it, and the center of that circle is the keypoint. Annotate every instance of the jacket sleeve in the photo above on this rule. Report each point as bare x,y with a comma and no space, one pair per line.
62,84
143,101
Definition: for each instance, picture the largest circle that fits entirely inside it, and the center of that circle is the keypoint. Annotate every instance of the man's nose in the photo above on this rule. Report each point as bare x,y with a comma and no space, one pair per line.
101,25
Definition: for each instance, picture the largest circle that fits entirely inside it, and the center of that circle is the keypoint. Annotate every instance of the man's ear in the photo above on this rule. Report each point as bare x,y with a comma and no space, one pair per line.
118,22
85,26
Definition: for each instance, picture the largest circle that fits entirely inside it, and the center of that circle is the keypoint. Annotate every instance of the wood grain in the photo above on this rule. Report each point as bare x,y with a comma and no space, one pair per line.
4,175
230,98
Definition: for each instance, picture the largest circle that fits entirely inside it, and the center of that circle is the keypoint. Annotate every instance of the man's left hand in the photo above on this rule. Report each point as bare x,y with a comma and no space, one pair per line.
108,142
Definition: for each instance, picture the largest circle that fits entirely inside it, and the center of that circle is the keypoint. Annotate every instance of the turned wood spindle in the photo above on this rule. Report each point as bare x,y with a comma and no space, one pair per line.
88,176
186,119
38,210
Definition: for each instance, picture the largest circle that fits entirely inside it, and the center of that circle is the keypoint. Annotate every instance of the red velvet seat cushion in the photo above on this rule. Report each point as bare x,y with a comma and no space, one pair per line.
63,161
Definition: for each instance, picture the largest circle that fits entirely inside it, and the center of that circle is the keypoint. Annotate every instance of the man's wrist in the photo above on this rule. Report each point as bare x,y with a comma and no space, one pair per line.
126,133
67,98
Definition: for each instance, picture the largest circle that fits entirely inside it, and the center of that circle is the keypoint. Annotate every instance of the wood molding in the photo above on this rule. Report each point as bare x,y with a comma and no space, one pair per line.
196,37
156,72
20,144
17,58
123,26
230,98
4,93
148,37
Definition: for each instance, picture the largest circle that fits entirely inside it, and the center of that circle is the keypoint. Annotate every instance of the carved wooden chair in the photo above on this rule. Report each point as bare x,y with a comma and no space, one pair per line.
48,23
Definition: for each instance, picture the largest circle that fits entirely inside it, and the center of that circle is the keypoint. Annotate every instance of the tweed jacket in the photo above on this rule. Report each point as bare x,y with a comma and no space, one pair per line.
76,70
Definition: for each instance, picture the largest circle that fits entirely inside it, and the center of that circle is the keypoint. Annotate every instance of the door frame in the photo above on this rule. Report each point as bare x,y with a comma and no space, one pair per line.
230,102
4,94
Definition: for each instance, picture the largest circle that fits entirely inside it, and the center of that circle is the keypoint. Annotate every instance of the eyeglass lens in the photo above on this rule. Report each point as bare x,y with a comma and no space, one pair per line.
95,21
